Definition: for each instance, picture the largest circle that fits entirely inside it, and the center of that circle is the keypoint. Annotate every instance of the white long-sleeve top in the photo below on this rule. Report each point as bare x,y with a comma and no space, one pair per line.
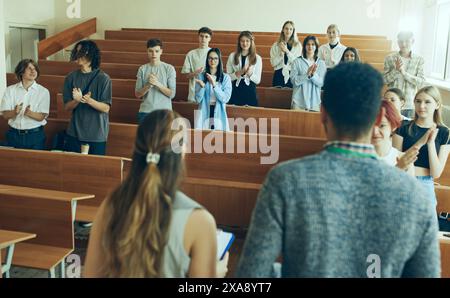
256,70
277,59
332,57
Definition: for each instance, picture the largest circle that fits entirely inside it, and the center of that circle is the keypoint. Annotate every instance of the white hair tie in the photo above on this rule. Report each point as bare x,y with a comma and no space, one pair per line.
153,158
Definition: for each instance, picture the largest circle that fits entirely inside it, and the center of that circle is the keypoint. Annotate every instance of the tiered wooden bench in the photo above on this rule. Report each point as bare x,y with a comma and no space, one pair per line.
48,214
268,97
291,123
95,175
8,241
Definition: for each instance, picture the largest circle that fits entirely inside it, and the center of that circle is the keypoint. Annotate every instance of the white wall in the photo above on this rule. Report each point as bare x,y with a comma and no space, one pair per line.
353,16
2,51
28,13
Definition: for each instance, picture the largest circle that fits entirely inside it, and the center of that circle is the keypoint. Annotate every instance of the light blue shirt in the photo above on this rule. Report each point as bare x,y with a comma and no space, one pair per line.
306,93
222,92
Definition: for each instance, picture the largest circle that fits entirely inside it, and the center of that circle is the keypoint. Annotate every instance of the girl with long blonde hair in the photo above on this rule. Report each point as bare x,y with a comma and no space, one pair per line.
429,133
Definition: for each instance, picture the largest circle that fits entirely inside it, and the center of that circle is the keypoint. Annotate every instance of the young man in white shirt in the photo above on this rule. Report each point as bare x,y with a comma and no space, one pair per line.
195,61
26,106
332,52
405,70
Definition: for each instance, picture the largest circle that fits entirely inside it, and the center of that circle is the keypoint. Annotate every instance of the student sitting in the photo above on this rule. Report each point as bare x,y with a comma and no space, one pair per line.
332,52
245,69
194,64
397,98
428,132
341,211
307,75
26,106
283,54
156,82
213,91
147,228
88,95
350,55
382,140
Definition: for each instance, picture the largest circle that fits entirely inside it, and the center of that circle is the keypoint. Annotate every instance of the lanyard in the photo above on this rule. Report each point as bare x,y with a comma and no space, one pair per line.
351,153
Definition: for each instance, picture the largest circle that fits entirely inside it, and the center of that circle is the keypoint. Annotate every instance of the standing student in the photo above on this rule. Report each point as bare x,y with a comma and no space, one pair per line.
328,214
405,70
307,76
88,95
147,227
332,52
382,140
245,69
156,82
213,91
428,132
26,106
397,98
194,64
350,55
283,54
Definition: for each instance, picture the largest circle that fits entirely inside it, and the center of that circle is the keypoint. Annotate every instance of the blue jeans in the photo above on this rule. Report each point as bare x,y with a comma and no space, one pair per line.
141,117
33,139
428,183
74,145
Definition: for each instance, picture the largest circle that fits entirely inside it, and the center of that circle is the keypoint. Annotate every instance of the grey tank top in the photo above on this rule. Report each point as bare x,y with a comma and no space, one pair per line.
176,262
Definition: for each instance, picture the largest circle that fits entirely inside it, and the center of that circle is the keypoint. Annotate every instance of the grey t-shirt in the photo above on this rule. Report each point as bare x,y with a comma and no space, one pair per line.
88,124
155,99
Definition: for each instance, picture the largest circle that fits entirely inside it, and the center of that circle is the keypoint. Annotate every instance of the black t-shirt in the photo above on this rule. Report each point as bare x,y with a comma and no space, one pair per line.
412,133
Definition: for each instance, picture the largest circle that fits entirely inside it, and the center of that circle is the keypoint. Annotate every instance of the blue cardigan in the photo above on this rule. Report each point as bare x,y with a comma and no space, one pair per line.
306,93
222,91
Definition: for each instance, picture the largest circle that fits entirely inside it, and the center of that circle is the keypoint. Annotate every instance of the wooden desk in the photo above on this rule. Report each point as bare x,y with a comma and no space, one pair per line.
8,240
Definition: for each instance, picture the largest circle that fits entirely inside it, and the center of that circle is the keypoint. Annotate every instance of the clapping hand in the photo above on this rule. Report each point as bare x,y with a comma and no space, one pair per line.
18,108
211,79
312,70
408,159
283,47
200,82
399,65
87,98
77,94
153,80
27,111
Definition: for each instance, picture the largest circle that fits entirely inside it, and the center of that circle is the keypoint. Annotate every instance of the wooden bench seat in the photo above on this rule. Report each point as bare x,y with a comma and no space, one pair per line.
291,123
268,97
255,33
369,56
46,213
8,241
226,38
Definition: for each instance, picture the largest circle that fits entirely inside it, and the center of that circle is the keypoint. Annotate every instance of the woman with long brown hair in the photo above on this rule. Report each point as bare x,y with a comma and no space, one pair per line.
283,54
147,228
245,69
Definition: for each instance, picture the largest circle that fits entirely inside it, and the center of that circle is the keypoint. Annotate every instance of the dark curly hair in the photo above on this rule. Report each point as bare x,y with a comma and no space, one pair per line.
352,98
89,50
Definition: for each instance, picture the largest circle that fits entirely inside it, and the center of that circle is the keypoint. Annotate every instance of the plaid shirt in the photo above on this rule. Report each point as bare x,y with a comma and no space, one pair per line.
365,149
410,82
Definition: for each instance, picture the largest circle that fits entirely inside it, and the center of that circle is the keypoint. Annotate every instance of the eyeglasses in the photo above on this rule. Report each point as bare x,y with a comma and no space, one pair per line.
213,59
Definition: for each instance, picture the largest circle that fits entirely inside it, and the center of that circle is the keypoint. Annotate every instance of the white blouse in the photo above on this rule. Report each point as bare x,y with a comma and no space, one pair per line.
277,59
332,57
256,69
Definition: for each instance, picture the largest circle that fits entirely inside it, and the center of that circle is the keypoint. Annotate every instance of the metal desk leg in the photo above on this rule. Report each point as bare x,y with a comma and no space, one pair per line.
9,256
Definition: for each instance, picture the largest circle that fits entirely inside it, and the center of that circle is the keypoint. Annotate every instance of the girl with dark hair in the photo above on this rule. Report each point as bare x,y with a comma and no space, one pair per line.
245,69
147,228
398,99
350,55
283,54
88,95
429,133
307,77
212,92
